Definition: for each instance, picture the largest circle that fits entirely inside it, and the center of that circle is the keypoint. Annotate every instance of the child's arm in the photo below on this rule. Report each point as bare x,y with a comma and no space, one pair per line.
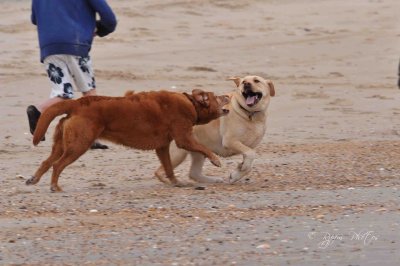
108,21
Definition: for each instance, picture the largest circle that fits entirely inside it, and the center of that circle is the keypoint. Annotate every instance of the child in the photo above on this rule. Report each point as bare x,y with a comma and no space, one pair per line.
66,30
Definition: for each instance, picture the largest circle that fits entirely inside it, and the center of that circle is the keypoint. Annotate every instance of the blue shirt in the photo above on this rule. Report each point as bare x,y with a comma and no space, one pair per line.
68,26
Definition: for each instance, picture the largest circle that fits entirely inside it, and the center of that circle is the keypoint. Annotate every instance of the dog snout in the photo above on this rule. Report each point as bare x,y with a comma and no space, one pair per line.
247,85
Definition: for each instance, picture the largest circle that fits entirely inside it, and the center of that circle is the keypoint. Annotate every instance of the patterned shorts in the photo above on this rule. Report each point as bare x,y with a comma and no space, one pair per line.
65,69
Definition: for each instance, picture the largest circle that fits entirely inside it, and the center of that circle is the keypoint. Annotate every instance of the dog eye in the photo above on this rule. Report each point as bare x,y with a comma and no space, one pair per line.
256,81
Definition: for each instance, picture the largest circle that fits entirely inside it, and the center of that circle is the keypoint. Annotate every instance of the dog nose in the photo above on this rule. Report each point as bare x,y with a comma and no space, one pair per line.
247,85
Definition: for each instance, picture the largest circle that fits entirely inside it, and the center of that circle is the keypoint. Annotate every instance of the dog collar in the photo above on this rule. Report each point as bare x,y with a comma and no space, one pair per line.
249,114
194,105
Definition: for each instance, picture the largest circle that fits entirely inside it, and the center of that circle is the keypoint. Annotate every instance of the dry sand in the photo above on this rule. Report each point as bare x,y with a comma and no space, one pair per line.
328,167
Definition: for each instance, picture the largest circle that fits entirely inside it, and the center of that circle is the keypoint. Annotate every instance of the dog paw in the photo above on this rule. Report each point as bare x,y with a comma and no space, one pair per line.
206,179
55,188
215,161
235,176
244,166
214,180
162,177
31,181
182,184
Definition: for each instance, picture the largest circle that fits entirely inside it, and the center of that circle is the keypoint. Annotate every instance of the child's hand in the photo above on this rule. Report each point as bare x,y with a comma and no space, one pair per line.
101,30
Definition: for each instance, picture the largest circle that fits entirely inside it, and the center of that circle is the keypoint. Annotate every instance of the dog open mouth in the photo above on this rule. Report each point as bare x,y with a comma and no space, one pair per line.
252,98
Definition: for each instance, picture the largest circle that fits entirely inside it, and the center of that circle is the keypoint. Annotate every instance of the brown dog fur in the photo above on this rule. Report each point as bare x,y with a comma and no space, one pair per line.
146,121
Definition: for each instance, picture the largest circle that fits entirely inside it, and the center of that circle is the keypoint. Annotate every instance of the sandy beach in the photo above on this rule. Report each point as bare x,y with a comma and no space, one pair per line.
325,185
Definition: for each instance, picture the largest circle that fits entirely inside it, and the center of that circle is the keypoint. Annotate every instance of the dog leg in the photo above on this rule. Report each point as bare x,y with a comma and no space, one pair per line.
56,152
237,175
243,168
197,167
78,135
187,142
72,152
248,157
177,157
163,156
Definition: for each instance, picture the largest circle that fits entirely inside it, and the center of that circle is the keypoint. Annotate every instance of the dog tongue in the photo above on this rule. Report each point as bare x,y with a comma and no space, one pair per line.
251,100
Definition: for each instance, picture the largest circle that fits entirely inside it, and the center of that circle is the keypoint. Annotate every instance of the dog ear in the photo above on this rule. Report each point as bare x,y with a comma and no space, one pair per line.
129,93
189,96
236,80
271,88
201,97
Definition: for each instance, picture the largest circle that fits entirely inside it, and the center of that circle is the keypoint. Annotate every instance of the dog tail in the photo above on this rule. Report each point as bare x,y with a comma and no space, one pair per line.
60,108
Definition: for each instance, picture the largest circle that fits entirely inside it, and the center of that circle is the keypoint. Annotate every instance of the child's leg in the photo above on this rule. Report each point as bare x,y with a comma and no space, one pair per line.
83,74
90,93
47,103
59,74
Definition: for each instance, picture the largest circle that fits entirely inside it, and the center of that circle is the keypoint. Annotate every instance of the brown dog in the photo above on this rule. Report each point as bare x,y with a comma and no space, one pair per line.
146,121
